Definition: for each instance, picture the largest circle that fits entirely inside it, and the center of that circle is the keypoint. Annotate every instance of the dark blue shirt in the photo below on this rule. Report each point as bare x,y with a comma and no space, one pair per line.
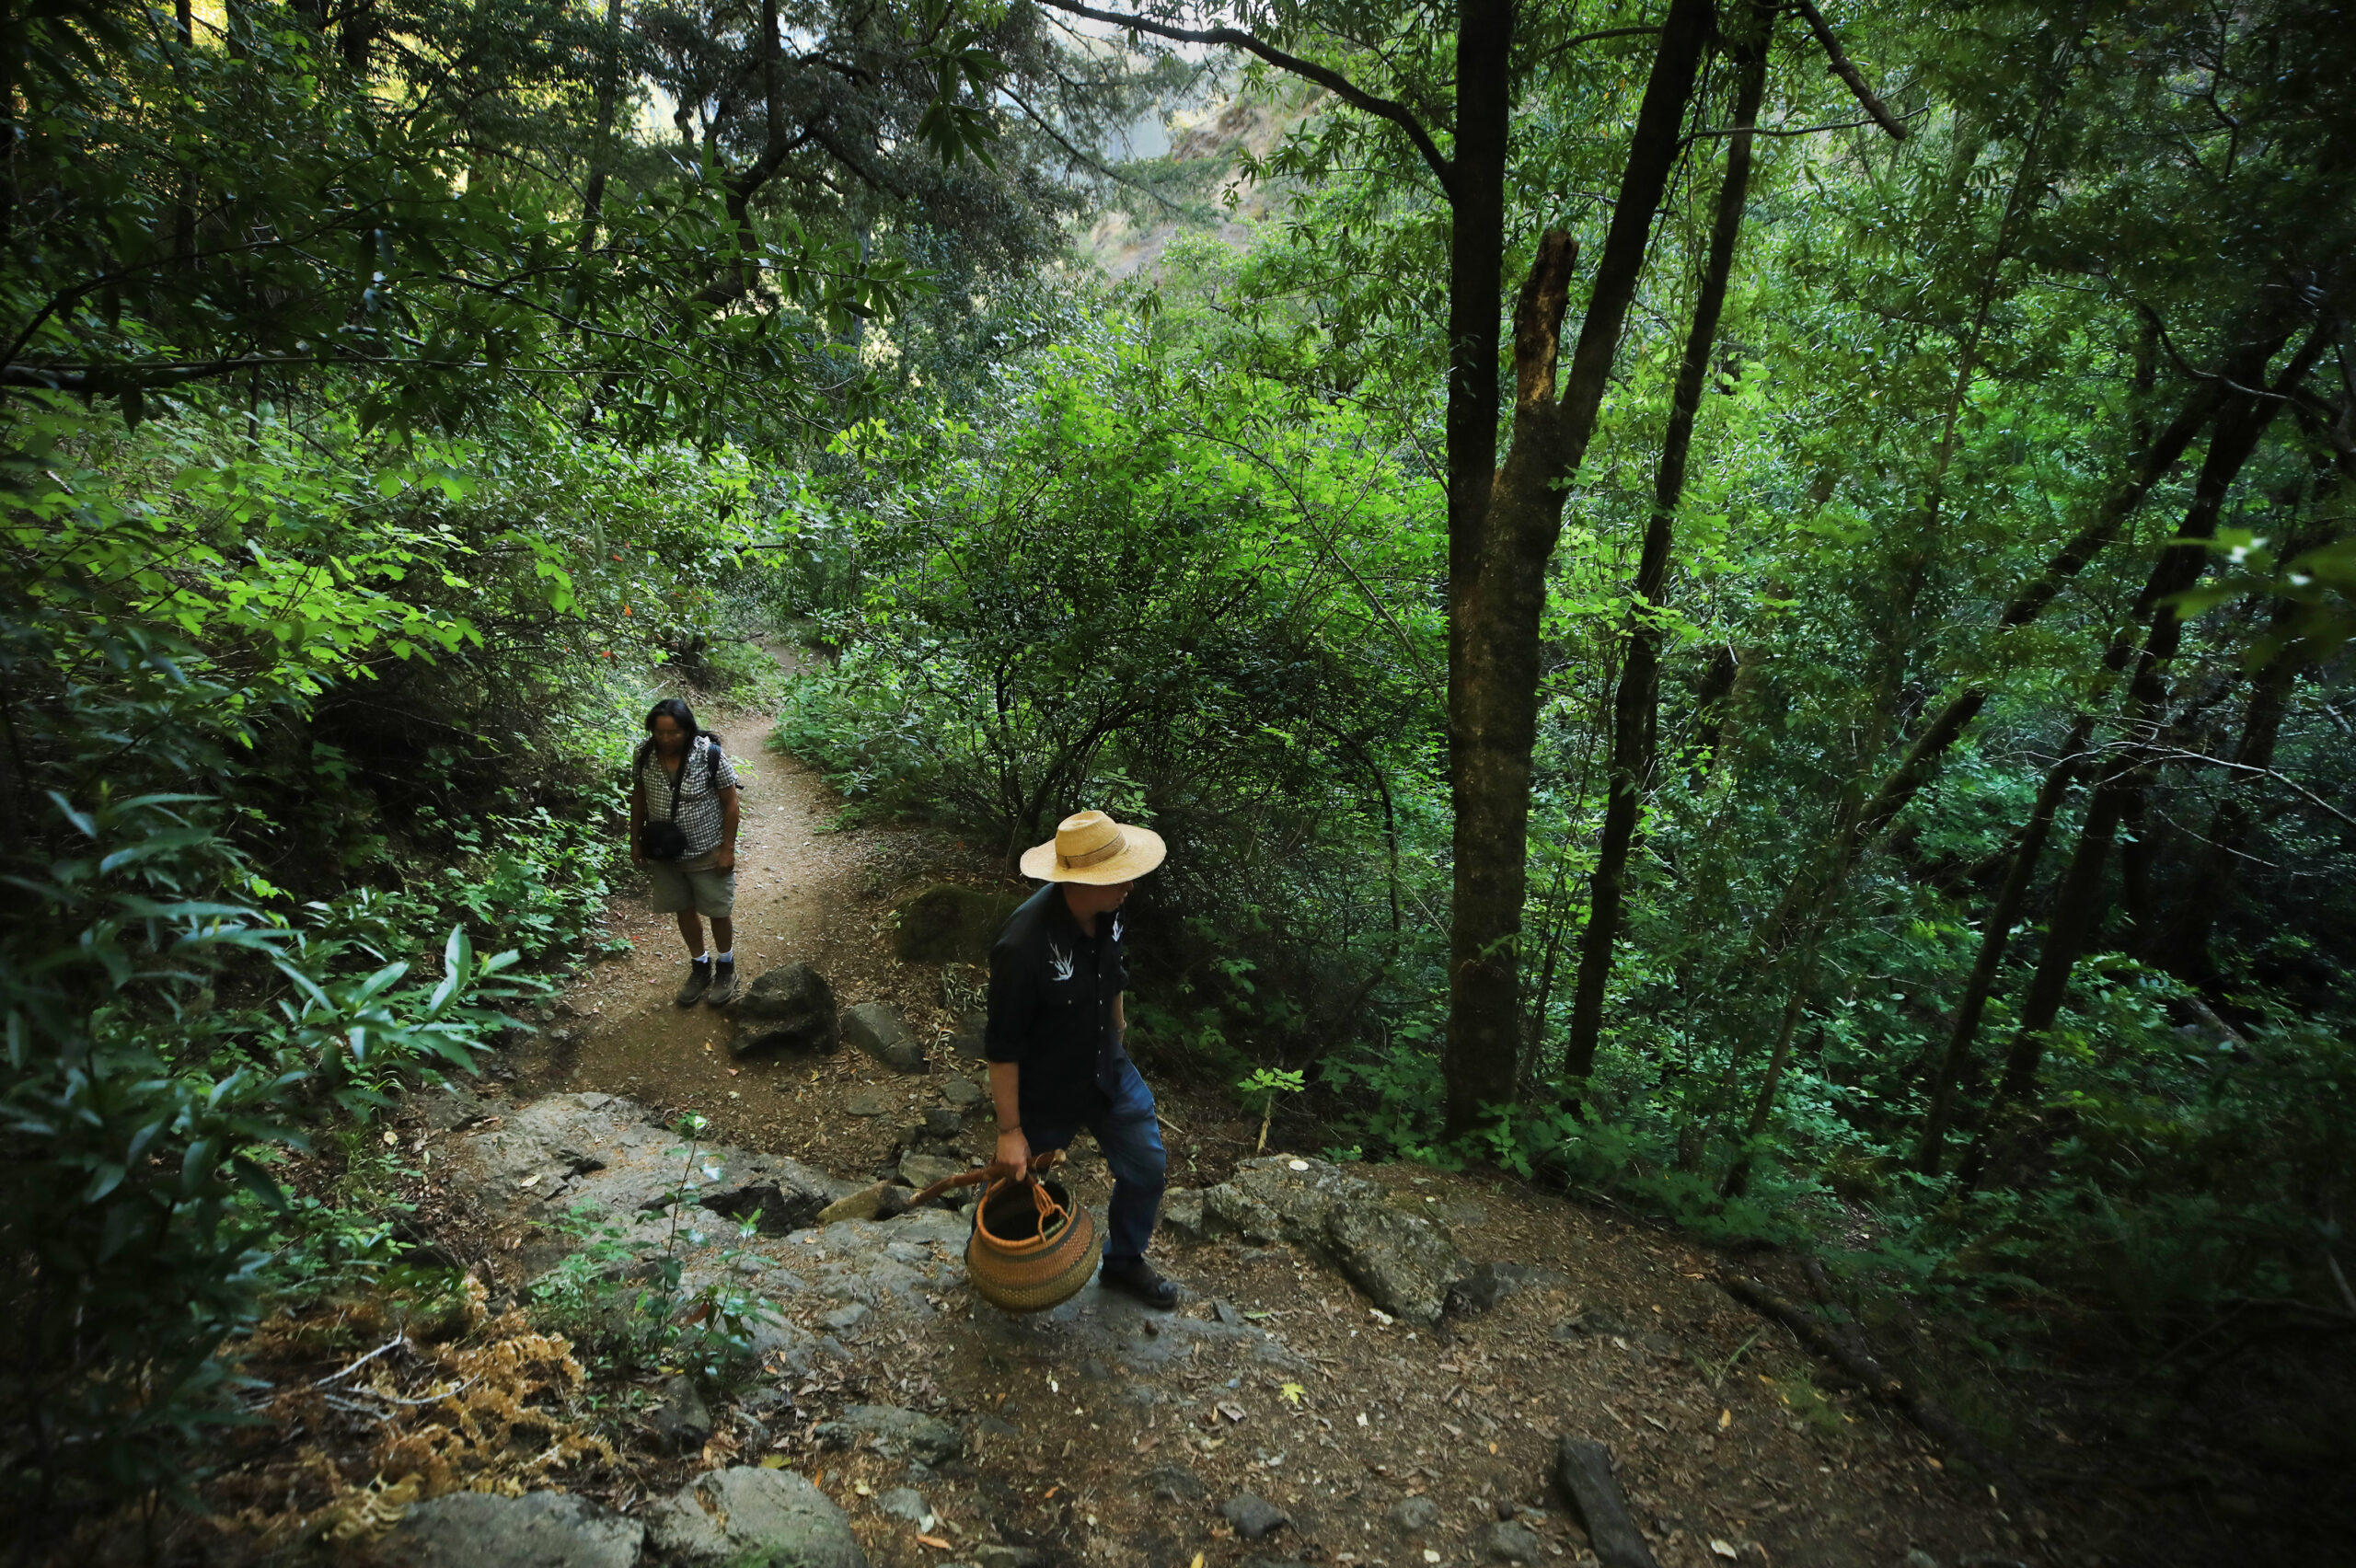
1052,990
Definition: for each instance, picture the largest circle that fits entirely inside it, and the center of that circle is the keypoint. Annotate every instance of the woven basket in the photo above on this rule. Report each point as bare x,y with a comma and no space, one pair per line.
1033,1248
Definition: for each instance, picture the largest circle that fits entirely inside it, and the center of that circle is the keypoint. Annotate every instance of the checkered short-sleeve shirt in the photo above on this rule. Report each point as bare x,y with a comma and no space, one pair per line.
699,785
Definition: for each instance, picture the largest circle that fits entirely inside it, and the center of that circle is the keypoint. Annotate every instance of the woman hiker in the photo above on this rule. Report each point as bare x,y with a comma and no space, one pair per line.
683,830
1054,1039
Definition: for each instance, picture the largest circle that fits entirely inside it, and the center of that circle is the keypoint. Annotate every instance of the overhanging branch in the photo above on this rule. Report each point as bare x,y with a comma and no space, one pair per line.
1846,69
1331,80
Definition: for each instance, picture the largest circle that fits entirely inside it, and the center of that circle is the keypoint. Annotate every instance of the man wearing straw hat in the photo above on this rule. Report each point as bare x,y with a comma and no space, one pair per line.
1055,1026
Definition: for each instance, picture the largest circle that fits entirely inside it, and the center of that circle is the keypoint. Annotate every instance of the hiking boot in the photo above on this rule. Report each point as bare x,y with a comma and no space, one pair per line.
1136,1278
724,983
699,981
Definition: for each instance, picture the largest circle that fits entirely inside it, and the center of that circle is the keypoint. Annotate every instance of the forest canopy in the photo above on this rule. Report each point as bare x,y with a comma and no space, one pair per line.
1735,605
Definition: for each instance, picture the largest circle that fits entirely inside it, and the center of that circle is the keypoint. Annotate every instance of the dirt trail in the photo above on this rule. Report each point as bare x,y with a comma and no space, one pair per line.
1726,1444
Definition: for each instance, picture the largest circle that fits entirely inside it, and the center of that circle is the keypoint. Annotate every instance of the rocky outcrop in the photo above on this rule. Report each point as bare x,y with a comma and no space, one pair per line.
949,924
539,1530
790,1007
904,1434
1405,1263
746,1515
877,1029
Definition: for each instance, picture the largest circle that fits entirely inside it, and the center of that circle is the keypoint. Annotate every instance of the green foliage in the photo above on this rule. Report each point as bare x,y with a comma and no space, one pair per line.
620,1299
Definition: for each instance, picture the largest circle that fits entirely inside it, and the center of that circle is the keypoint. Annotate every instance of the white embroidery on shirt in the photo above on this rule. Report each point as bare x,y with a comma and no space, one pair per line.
1116,925
1058,962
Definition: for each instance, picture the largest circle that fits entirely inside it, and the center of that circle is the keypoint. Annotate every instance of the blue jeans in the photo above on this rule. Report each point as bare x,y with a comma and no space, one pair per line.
1126,1130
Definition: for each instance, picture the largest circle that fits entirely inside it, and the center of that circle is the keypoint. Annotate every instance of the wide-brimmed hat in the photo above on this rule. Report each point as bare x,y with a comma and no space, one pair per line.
1092,848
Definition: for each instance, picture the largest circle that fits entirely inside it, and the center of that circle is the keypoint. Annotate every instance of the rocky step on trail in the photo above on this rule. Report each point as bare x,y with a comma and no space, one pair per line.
1343,1383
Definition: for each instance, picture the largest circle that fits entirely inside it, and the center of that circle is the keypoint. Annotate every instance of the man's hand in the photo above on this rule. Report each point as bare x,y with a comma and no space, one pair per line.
723,858
1015,1151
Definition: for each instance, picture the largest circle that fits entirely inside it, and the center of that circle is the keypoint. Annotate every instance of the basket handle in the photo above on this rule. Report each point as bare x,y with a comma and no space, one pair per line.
1038,1165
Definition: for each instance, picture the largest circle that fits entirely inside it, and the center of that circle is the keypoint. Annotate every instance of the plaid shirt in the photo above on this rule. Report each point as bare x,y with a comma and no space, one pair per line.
700,815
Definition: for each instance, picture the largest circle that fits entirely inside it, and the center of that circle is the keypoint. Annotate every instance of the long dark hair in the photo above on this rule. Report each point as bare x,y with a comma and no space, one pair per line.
679,713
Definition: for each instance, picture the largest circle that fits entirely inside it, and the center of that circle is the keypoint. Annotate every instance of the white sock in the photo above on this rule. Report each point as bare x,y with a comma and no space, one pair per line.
704,957
727,957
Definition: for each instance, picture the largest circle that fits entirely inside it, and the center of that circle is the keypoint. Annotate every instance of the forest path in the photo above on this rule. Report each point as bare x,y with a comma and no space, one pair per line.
1386,1447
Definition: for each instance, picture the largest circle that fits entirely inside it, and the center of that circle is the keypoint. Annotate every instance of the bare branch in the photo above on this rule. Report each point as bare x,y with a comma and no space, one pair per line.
1331,80
1846,69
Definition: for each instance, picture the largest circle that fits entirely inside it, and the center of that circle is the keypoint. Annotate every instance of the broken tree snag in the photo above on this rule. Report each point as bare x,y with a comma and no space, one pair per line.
1846,69
1584,1468
1848,1352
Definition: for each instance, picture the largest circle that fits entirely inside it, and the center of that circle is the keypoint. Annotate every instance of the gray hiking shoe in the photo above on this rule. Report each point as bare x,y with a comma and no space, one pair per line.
699,981
724,986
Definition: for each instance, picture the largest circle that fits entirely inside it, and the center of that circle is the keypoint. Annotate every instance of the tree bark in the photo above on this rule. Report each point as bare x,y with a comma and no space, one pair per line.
609,85
2183,948
1635,703
1498,576
1995,937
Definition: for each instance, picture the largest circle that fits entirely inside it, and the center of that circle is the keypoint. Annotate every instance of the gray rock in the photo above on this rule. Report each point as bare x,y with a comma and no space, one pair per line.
1182,1213
787,1008
1009,1557
869,1102
1415,1516
904,1433
1405,1263
949,924
1254,1519
878,1200
995,1426
906,1503
1488,1284
961,1092
849,1315
1510,1540
1918,1558
967,1042
682,1421
1227,1313
747,1515
940,1122
1174,1483
921,1171
876,1029
539,1530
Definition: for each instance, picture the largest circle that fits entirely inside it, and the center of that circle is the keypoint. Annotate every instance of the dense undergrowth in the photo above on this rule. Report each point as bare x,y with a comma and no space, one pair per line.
388,413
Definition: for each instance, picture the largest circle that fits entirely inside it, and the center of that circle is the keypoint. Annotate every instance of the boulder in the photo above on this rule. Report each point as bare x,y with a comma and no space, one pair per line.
1254,1519
682,1421
1182,1213
1405,1263
962,1093
790,1007
539,1530
876,1029
1510,1540
1488,1284
1415,1516
949,924
880,1200
1174,1483
921,1171
905,1434
746,1515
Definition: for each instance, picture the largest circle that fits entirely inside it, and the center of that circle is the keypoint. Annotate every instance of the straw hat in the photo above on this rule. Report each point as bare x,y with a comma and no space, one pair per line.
1092,848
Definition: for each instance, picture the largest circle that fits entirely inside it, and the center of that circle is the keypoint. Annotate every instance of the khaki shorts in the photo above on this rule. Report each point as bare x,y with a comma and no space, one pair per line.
693,885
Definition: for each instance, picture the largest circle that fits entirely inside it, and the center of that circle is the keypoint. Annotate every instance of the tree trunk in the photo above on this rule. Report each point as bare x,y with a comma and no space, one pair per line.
2077,913
1995,936
1497,576
1945,727
2183,945
1635,703
609,86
